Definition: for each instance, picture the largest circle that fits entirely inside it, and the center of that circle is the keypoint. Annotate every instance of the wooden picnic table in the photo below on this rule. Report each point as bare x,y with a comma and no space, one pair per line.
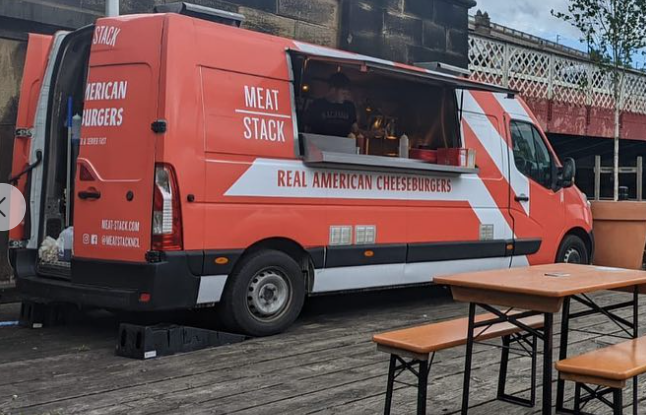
542,289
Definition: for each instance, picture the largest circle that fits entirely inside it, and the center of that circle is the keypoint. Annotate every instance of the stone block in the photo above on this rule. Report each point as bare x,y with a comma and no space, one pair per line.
366,44
94,5
214,4
136,6
402,26
419,8
395,48
450,14
270,6
64,3
362,18
50,14
456,59
321,12
319,35
267,23
418,54
457,41
394,5
434,36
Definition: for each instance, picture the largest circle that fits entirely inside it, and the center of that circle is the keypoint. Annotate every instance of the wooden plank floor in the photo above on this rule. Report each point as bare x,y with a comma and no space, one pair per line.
325,364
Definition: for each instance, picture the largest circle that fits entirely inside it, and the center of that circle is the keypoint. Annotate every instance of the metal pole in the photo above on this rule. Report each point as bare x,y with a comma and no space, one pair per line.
597,177
547,363
111,8
565,329
640,177
467,360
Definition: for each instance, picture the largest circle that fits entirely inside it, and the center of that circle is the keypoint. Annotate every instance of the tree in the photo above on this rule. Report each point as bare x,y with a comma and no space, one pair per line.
615,31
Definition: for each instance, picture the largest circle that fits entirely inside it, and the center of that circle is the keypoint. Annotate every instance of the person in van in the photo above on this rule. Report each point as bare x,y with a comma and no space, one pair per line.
335,114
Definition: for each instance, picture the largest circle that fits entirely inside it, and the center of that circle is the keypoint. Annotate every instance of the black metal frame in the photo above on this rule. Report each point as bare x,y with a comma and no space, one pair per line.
630,330
529,347
421,369
505,316
598,394
395,370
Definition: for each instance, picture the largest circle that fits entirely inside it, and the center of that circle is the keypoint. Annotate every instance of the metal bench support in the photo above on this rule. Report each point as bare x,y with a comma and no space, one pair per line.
599,394
420,368
529,343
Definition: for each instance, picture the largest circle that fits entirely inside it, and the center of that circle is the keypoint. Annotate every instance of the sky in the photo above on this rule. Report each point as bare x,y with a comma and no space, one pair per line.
534,17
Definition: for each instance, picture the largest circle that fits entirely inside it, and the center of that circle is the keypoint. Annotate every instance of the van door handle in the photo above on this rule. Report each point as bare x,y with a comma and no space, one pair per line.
522,198
89,194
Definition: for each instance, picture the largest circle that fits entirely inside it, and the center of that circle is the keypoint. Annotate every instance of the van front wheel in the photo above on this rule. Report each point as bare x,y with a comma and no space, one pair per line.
265,294
573,251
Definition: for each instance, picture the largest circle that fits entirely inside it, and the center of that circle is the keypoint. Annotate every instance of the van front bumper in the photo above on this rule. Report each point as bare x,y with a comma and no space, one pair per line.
169,284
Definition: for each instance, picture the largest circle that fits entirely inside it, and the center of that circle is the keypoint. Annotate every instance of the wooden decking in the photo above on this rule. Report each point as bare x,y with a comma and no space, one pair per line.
325,364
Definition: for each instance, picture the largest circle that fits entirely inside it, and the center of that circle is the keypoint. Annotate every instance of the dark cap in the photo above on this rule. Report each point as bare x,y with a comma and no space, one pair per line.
339,80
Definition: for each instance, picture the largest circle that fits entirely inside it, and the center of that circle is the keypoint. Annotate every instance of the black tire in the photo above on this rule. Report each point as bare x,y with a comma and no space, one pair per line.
573,250
264,295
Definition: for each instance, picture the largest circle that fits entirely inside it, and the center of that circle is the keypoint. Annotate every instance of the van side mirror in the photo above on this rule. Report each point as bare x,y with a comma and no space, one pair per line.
567,173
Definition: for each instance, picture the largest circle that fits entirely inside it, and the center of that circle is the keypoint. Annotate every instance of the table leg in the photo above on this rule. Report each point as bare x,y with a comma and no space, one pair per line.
565,328
548,345
635,335
467,360
422,387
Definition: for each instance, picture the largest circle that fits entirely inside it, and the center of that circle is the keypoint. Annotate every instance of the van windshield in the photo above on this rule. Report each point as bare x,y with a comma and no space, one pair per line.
368,112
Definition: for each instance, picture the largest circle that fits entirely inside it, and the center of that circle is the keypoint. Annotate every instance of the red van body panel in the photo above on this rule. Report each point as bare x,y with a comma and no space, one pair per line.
225,97
38,50
118,144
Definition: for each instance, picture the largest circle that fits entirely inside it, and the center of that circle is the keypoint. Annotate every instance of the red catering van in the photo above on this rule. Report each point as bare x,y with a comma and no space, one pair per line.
199,179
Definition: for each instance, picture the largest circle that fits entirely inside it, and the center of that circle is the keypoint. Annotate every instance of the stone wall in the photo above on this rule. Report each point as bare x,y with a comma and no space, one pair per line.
408,30
12,56
310,20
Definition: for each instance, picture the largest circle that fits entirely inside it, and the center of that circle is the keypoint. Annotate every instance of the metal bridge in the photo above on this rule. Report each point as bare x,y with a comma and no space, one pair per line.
568,94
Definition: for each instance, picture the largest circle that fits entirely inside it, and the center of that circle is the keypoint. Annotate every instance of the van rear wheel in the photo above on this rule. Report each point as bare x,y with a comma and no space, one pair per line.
265,294
573,251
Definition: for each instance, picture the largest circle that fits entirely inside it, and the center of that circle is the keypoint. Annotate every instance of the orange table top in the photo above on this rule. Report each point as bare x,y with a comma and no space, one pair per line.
551,280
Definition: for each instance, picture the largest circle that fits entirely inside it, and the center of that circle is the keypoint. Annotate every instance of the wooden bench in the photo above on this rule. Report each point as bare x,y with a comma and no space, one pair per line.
609,369
419,344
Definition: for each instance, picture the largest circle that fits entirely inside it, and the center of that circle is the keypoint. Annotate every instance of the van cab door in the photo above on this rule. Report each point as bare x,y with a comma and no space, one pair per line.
537,207
116,163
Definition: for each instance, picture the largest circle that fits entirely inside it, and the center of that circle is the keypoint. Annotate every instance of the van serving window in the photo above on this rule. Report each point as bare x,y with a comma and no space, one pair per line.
376,64
357,110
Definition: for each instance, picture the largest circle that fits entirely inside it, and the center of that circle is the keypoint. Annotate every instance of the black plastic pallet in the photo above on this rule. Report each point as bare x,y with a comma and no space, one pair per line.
37,315
147,342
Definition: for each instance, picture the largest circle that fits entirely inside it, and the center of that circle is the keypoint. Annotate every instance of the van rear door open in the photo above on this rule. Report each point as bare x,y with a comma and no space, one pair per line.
38,51
116,163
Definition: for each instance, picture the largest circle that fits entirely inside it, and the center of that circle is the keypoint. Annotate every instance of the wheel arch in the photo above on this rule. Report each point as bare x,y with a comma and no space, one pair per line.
287,246
585,236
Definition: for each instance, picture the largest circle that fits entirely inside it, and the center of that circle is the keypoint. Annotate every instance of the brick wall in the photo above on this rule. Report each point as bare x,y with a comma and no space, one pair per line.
407,30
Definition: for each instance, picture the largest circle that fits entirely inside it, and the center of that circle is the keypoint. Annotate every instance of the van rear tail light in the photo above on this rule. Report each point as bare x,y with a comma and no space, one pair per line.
167,219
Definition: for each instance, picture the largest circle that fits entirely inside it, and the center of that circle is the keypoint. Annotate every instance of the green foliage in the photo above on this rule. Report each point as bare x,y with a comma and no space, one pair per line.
614,30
